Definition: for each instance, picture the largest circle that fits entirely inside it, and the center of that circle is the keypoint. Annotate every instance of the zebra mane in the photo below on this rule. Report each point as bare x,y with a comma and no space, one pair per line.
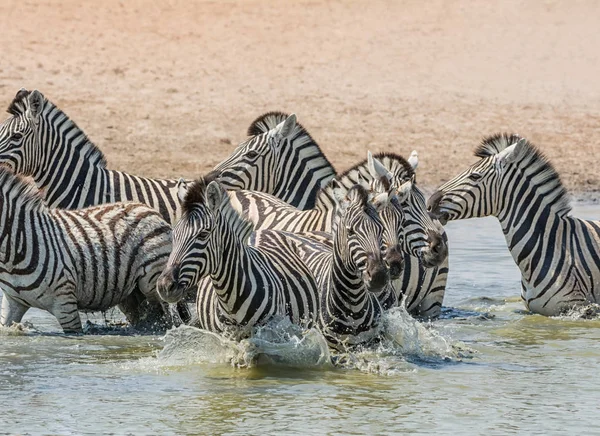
531,158
398,166
270,120
17,106
196,195
494,144
266,122
14,187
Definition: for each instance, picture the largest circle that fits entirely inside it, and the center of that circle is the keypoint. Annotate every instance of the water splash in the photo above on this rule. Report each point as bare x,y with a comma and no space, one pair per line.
279,342
18,329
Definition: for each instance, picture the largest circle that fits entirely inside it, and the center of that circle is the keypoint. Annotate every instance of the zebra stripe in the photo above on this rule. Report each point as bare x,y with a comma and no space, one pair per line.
351,274
243,285
65,261
421,284
280,158
556,253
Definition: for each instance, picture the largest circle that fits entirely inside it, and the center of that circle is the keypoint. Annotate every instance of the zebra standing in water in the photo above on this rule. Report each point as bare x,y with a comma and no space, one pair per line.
62,261
352,276
247,285
421,283
556,253
41,141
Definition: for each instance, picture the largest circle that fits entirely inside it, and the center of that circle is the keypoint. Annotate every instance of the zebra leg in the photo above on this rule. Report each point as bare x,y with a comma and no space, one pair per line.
130,307
12,311
66,311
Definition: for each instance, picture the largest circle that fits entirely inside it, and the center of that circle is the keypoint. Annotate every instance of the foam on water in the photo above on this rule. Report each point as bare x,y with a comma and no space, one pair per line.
278,342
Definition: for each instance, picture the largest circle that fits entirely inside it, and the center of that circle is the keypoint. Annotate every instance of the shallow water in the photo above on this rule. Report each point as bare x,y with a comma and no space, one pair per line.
485,368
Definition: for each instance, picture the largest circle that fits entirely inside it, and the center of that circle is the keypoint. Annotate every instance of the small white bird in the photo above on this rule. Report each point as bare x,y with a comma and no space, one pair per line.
413,159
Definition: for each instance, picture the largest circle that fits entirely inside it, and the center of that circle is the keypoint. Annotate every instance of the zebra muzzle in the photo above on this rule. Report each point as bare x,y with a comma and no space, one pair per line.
377,275
168,285
395,262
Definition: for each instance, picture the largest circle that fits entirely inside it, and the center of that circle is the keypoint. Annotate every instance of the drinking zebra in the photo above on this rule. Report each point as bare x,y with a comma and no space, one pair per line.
245,284
351,274
556,253
421,283
65,261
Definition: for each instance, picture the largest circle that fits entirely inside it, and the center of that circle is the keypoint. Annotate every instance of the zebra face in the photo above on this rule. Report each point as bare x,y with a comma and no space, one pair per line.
473,193
18,132
188,261
424,237
360,232
254,163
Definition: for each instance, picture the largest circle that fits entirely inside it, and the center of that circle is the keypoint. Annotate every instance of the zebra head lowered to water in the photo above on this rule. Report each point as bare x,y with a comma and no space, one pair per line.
556,253
279,158
64,261
245,285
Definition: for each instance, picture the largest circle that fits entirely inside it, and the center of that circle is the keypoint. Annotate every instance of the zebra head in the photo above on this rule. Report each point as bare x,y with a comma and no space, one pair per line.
188,261
254,164
19,133
477,191
358,235
422,237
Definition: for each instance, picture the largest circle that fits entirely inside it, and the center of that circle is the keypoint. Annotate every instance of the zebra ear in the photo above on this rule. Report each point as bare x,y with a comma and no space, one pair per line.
511,154
214,195
413,160
287,127
36,103
381,201
377,169
182,188
404,190
339,193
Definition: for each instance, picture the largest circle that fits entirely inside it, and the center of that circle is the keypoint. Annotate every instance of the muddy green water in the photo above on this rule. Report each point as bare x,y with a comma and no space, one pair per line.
485,368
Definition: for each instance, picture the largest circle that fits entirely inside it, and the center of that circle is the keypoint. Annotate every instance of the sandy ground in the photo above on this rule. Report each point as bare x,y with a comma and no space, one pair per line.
168,88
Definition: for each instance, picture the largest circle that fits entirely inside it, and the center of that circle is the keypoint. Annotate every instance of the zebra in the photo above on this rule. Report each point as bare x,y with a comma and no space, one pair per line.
64,261
421,282
351,273
41,141
243,285
556,253
279,158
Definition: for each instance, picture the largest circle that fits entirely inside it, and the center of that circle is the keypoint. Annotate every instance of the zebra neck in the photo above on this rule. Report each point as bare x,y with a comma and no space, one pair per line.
346,284
303,172
74,166
234,262
532,227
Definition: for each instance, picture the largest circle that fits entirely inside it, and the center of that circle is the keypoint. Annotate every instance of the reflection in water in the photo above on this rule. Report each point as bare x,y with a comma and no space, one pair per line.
486,367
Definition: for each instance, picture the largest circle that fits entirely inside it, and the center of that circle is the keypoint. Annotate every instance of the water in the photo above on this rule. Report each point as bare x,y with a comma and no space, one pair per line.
485,368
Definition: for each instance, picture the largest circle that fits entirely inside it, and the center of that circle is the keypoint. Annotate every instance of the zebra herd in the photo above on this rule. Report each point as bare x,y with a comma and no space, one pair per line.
273,230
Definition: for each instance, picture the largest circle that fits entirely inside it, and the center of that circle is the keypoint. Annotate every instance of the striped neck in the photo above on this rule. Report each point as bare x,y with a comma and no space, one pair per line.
71,166
532,216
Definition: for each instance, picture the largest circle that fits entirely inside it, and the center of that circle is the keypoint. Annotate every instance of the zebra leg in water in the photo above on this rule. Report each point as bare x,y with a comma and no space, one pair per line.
12,310
64,307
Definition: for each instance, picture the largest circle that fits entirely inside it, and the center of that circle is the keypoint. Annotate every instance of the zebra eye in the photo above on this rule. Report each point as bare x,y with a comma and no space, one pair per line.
17,135
203,234
252,154
475,176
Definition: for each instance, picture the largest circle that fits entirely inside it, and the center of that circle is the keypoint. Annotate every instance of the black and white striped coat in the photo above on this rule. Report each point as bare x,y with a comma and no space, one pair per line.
558,254
241,285
351,274
421,283
65,261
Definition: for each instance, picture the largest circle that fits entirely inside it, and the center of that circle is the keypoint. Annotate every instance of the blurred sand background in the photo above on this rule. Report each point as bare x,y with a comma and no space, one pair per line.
168,88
